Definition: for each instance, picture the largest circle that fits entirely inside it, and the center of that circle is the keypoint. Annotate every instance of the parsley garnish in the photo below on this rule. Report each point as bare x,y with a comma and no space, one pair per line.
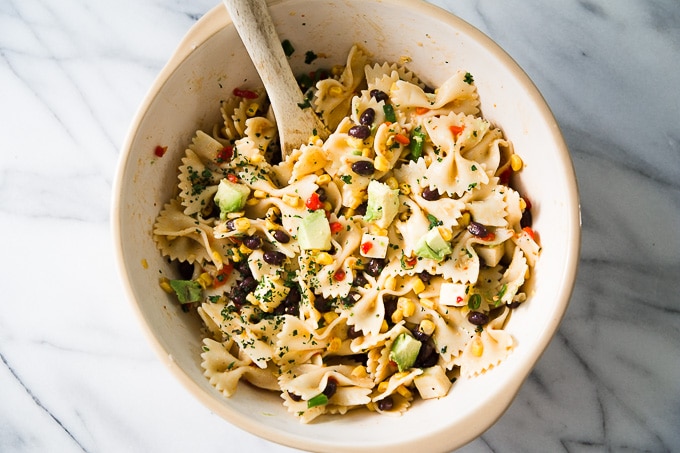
468,78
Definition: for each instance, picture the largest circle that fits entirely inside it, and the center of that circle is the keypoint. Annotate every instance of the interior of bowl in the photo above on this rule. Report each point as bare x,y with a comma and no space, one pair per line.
434,44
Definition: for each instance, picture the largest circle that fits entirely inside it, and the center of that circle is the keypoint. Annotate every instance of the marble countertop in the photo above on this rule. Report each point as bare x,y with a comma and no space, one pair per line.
76,372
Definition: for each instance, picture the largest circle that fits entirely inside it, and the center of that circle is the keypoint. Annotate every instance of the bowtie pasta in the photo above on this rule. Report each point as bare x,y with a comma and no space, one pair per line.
365,270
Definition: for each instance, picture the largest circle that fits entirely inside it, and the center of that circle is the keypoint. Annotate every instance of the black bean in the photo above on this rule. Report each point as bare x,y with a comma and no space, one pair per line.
273,257
379,95
360,280
360,131
186,270
352,332
477,229
322,304
526,219
425,276
230,225
513,304
390,303
367,117
248,284
294,397
386,403
331,387
293,296
375,266
363,167
420,335
243,268
361,209
430,194
321,192
281,236
478,318
252,242
427,356
351,298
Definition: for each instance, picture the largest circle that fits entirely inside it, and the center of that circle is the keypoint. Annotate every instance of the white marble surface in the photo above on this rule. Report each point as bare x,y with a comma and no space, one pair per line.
76,373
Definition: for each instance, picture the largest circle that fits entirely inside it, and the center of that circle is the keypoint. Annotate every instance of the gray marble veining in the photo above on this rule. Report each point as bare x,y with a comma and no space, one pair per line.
76,373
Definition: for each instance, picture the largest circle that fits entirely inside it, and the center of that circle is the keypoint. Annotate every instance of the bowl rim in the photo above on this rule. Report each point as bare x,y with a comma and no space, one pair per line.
211,23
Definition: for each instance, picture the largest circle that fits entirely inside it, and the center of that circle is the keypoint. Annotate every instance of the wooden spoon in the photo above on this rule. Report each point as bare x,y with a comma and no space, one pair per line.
256,29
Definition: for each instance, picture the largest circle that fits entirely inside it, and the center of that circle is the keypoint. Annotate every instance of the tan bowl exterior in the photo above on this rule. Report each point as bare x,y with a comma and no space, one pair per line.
207,65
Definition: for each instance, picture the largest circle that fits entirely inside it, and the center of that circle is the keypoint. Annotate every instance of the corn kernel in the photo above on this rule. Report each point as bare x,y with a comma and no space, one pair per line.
464,219
522,204
390,283
242,224
407,306
426,326
376,230
323,258
260,194
217,259
371,406
327,206
445,233
381,163
273,212
392,183
335,91
205,280
252,109
236,255
313,139
337,69
235,215
356,264
428,303
400,375
323,179
330,316
244,250
404,188
291,200
366,152
477,347
397,315
418,286
516,162
252,201
359,371
271,225
384,327
334,345
403,391
382,387
165,285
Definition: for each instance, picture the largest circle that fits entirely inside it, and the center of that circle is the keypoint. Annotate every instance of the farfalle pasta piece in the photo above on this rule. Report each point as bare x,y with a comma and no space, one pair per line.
487,349
333,97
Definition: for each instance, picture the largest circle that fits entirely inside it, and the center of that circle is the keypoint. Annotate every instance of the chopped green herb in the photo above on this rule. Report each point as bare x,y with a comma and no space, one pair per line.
389,113
475,301
468,78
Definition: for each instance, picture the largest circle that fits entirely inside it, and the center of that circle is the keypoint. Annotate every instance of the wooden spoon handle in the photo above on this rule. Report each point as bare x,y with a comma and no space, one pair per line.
256,29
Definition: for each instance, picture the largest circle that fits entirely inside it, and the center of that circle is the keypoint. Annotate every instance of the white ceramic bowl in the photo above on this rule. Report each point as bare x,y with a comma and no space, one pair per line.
209,63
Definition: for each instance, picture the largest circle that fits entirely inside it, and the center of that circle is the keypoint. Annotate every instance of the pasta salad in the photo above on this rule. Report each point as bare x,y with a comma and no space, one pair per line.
368,269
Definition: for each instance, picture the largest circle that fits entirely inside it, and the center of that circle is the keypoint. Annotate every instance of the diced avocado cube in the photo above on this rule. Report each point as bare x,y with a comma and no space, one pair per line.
187,290
404,351
383,204
314,232
433,246
231,197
